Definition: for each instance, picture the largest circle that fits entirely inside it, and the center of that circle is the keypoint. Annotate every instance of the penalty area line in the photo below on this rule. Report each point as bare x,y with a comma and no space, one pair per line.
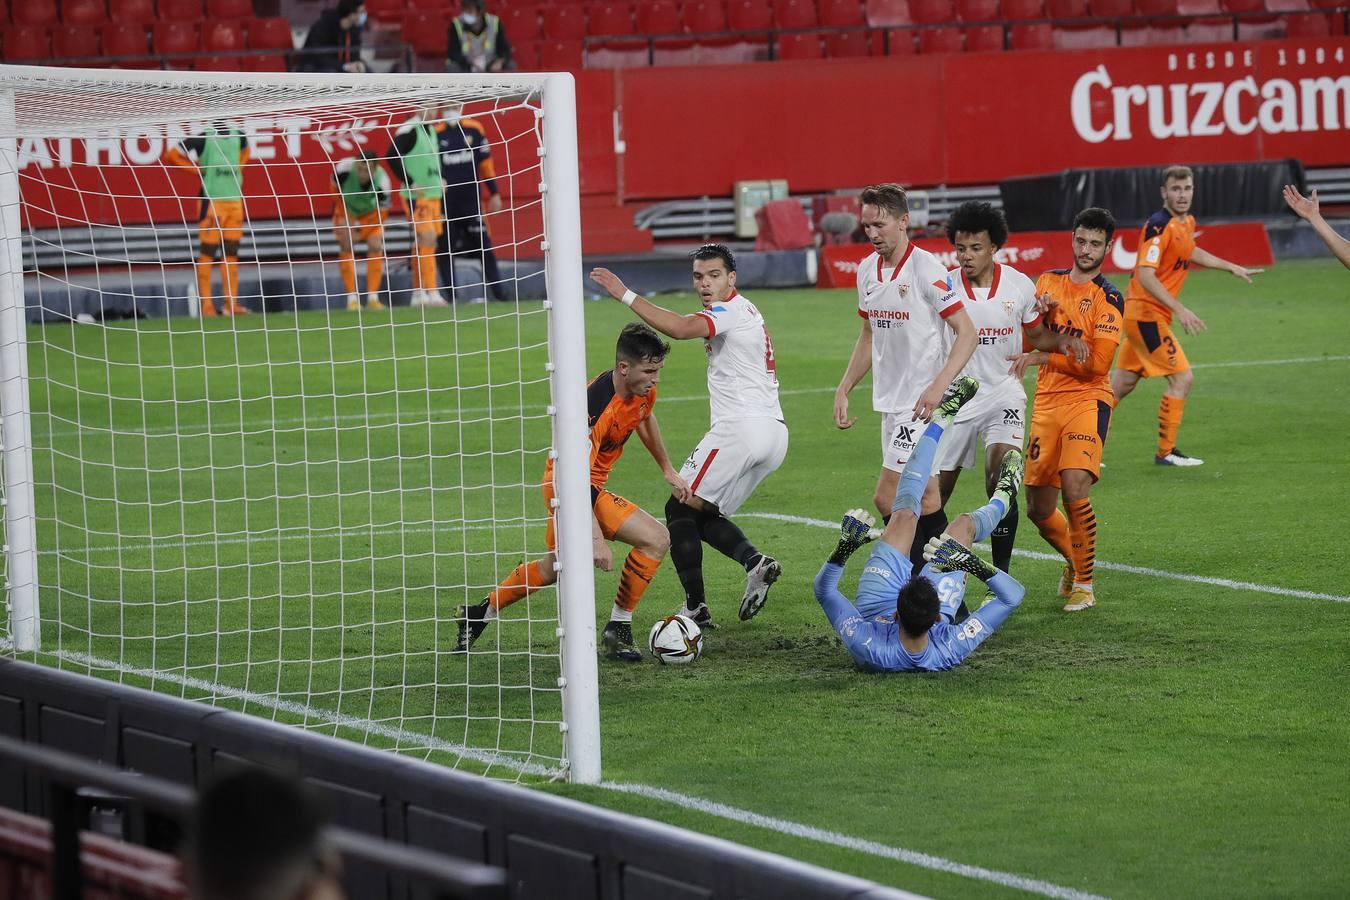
1100,564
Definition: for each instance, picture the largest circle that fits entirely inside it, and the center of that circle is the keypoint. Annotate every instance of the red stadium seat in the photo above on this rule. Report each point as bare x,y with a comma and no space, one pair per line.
83,12
843,44
76,42
1018,10
932,12
27,43
125,12
427,32
1066,9
436,6
388,12
34,12
887,13
795,14
176,38
984,39
222,37
525,54
229,9
977,10
1085,38
1112,9
1308,25
609,18
260,63
658,17
564,23
1031,36
218,64
127,39
1287,6
749,15
901,42
675,52
521,23
1328,4
560,56
704,16
1244,6
800,45
841,13
617,54
1156,7
272,33
180,11
941,40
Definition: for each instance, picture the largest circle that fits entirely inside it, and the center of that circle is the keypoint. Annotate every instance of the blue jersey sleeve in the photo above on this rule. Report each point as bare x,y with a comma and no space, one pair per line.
855,631
956,642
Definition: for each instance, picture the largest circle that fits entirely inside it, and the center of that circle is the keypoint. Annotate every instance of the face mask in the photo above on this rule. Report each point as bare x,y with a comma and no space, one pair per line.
361,20
469,19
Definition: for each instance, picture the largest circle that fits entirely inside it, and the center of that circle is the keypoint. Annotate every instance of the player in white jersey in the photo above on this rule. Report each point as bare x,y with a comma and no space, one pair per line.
1002,303
748,438
908,302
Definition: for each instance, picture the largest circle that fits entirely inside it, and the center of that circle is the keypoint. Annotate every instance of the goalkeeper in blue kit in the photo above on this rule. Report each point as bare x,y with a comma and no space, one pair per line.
904,624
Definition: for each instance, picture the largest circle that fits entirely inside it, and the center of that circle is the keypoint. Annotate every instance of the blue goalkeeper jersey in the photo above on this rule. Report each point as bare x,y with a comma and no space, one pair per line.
873,640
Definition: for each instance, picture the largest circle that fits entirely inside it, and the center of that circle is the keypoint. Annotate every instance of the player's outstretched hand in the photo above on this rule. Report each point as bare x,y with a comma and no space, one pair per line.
1246,274
1191,322
1305,207
854,531
950,554
610,282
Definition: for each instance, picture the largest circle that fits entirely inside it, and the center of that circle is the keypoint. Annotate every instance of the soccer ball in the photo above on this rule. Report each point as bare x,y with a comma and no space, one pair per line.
676,640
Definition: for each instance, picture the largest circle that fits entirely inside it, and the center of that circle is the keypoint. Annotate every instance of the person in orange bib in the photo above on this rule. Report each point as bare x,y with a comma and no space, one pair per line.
1167,250
1072,407
620,402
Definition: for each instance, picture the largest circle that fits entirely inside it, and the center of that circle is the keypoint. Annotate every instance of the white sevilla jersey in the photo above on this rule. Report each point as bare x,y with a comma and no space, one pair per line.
999,312
906,307
742,373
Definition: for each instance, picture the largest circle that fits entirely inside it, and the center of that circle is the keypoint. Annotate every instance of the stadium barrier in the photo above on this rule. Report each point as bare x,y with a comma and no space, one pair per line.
1223,191
550,847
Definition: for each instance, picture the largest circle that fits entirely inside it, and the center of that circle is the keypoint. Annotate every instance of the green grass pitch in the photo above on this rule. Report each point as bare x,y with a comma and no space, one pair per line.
1182,739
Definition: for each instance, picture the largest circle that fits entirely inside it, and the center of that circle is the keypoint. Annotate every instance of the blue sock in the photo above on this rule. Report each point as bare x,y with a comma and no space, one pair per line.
917,471
988,516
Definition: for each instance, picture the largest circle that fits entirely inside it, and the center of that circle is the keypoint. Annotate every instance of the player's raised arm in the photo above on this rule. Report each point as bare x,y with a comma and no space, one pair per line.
967,338
671,324
859,364
960,641
650,434
1210,261
1310,210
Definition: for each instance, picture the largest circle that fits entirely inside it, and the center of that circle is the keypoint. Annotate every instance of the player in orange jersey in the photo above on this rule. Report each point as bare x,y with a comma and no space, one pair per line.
619,402
1166,251
1072,407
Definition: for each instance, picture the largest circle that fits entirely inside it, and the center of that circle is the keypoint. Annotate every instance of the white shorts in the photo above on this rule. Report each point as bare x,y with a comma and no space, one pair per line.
732,459
998,416
899,433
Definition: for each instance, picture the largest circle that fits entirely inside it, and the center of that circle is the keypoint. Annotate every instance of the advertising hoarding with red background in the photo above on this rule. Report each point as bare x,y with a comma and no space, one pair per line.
822,125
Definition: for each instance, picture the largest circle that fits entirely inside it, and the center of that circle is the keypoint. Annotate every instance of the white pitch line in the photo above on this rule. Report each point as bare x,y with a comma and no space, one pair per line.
536,410
848,842
1117,567
403,736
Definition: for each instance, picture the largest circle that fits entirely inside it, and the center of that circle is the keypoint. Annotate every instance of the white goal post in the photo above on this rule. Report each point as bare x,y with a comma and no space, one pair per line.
281,511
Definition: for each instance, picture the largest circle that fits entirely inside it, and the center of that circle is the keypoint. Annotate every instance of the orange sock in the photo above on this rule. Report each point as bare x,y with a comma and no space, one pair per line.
204,264
524,580
1083,536
1169,423
230,277
347,269
1055,529
638,570
426,267
374,273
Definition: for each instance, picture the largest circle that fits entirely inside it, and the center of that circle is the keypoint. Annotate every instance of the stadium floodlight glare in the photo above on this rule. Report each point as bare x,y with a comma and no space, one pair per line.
281,512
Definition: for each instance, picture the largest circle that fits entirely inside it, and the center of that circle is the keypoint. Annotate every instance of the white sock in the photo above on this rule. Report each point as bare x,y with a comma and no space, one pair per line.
620,614
1079,586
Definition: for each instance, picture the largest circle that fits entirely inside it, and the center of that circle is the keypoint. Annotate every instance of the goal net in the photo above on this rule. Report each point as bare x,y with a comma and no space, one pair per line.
249,457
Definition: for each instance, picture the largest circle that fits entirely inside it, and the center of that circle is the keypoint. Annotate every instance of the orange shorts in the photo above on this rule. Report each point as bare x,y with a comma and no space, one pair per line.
361,228
1070,436
428,215
611,511
223,221
1150,349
